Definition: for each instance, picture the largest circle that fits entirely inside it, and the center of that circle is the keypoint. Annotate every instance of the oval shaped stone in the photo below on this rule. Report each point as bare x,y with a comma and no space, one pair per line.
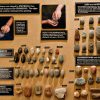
91,20
76,94
91,34
78,70
26,50
21,73
91,47
61,59
80,81
20,50
98,80
98,32
38,51
26,73
77,35
62,73
84,35
56,72
90,80
51,73
93,69
16,57
76,48
82,21
23,58
34,59
17,73
36,73
31,73
41,60
32,51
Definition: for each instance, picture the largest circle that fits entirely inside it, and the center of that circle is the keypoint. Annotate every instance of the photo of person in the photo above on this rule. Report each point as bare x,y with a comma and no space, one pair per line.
6,27
53,16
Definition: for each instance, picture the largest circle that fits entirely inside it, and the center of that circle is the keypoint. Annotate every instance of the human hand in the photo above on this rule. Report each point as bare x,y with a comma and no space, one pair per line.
52,22
56,14
5,29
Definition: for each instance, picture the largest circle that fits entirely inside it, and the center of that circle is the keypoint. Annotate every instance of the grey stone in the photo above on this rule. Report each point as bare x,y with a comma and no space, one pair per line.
60,92
80,81
61,59
76,48
51,73
34,59
98,80
90,80
53,59
84,48
91,34
98,47
91,20
84,35
50,51
62,73
28,59
56,72
98,32
41,60
91,47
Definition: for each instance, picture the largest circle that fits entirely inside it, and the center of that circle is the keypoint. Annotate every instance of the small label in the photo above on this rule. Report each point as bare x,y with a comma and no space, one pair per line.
88,60
87,8
54,35
38,46
21,27
59,46
6,53
46,47
19,8
6,90
71,82
6,74
71,70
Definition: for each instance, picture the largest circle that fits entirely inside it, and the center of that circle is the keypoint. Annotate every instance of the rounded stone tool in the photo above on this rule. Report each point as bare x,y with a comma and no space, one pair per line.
76,48
77,35
91,20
